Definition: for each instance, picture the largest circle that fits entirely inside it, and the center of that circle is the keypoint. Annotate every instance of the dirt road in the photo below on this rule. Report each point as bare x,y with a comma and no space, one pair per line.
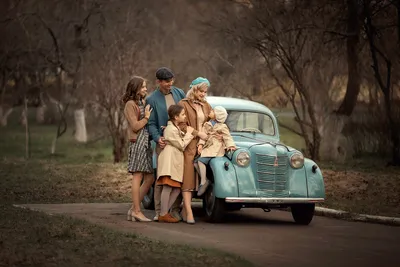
266,239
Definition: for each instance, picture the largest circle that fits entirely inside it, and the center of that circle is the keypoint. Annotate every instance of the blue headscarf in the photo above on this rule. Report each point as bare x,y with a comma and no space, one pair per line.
199,80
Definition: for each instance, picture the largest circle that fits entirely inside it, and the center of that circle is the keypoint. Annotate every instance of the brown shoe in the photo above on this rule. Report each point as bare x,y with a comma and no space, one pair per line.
168,218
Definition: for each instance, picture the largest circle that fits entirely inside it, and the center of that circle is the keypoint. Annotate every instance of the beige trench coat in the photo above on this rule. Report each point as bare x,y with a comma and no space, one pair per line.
190,182
171,159
213,147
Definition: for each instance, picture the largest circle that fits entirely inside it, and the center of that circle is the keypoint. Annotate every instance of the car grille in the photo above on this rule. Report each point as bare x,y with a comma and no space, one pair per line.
271,176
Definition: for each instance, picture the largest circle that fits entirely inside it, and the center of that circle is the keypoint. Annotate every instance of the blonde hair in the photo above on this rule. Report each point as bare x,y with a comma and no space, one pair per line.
190,94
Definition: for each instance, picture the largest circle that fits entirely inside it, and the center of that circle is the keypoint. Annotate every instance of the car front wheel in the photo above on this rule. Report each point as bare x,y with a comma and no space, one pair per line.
303,213
214,207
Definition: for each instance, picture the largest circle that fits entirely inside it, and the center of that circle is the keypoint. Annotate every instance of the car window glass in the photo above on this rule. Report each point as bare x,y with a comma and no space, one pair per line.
250,121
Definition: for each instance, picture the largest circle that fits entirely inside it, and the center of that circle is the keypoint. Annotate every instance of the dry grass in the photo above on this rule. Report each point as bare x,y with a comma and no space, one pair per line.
374,192
30,238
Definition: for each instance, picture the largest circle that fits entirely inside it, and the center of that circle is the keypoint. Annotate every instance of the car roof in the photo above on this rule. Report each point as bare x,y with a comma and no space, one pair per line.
231,103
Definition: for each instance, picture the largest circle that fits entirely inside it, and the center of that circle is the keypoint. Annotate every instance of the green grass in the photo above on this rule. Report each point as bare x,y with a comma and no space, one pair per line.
30,238
12,144
76,173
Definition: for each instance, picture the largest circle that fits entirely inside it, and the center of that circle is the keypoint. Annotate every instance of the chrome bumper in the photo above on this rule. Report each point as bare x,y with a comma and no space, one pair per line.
267,200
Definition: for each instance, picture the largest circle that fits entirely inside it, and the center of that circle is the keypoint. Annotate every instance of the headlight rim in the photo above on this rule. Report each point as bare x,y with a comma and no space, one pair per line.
291,162
238,154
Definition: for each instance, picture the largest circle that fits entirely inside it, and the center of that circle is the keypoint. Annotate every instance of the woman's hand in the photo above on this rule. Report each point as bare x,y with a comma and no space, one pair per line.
147,111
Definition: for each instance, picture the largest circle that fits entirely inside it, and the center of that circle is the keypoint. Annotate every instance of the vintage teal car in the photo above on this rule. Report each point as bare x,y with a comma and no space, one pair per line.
262,172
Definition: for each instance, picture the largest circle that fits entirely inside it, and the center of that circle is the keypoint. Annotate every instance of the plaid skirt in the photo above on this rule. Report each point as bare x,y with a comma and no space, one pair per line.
140,154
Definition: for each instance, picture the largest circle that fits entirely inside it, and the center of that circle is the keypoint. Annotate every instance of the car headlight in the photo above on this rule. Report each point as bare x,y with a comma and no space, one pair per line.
243,159
297,160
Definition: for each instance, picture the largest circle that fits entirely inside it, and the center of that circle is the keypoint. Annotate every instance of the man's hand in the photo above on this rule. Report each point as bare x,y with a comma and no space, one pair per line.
161,142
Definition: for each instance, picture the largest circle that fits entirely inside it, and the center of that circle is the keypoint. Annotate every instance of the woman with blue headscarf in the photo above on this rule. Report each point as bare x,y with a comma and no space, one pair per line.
197,112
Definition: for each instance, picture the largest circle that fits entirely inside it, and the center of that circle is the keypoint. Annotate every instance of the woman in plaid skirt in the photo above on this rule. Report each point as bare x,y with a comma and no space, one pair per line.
140,152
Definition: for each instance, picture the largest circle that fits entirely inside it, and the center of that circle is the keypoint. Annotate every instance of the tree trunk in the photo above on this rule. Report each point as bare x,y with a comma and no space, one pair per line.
4,116
333,147
80,126
40,114
53,146
119,147
24,117
352,43
27,132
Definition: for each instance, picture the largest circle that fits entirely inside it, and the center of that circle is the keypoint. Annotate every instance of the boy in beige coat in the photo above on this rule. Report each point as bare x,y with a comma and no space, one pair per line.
213,147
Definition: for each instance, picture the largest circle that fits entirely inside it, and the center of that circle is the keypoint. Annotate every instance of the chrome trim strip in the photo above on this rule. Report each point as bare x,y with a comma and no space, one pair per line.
272,173
272,182
272,200
266,164
280,156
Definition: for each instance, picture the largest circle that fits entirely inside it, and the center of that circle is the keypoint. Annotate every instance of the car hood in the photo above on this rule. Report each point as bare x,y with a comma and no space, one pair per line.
264,144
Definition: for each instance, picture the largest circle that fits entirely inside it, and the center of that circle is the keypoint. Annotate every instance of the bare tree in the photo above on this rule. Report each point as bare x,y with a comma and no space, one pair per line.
382,56
288,38
108,68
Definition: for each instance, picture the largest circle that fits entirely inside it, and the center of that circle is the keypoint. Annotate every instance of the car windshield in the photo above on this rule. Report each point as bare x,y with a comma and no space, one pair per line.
245,121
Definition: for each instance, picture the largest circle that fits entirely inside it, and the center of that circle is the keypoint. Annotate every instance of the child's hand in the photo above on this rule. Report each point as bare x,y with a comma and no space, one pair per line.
212,115
202,136
189,130
231,148
199,149
220,137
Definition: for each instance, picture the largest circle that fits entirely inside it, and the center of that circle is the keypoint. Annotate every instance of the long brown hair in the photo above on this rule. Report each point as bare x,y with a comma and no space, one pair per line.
133,88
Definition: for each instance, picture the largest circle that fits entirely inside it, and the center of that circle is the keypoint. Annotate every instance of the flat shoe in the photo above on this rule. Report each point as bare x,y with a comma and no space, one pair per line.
168,218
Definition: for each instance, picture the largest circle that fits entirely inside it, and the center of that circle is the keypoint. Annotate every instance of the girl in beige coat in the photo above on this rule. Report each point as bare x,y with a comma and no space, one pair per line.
171,159
213,147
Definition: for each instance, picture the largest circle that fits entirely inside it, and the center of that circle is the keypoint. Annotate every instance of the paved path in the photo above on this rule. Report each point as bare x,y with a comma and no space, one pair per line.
266,239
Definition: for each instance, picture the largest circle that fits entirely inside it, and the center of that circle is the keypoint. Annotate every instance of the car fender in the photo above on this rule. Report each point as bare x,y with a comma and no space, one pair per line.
225,181
315,180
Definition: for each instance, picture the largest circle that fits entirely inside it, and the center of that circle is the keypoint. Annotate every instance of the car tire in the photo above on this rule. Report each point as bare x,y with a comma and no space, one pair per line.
214,207
148,200
303,213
